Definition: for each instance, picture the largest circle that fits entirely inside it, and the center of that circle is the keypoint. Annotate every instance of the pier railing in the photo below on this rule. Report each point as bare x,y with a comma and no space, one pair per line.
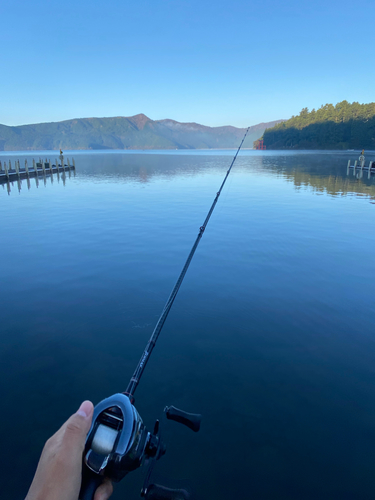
39,170
359,167
9,172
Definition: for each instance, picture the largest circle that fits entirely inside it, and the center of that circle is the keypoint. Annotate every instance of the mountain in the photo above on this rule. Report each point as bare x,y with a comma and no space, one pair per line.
135,132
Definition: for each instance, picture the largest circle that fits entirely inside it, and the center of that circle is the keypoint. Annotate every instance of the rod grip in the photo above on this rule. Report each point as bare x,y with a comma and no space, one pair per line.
90,483
158,492
191,420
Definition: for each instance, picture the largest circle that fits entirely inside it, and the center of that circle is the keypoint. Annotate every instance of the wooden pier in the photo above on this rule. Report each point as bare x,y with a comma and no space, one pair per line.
9,173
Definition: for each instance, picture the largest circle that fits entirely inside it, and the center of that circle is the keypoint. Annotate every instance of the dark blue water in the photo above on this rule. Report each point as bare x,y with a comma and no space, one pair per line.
271,337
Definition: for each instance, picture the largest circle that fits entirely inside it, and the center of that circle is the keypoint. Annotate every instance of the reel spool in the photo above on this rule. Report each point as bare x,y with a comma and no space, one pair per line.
104,440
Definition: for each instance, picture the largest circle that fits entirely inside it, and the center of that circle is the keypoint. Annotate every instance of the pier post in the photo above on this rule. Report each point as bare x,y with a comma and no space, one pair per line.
33,164
16,168
10,166
74,163
1,167
26,167
6,169
369,169
362,164
348,168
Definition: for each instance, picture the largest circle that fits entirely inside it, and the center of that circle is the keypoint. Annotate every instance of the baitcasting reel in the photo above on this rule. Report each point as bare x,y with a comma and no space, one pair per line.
118,443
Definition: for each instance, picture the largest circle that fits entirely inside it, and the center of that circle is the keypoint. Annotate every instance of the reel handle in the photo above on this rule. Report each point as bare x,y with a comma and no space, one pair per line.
191,420
158,492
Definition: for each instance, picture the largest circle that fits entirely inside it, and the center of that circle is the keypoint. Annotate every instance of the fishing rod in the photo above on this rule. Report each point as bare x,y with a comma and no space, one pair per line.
118,441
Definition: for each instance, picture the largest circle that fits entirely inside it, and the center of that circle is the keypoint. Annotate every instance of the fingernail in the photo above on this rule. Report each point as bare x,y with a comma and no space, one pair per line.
85,409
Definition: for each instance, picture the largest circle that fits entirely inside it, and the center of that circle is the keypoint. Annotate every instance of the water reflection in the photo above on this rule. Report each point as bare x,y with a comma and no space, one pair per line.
324,173
144,167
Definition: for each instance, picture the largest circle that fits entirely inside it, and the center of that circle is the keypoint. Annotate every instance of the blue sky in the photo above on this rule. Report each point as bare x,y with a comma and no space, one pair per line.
217,63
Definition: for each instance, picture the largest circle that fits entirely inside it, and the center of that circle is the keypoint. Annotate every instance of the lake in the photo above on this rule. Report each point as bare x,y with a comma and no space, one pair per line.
271,336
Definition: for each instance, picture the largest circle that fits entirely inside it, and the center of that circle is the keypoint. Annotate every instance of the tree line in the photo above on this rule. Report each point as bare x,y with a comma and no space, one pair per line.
344,126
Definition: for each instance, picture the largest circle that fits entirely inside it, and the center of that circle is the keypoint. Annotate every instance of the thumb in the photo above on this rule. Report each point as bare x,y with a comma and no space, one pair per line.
78,425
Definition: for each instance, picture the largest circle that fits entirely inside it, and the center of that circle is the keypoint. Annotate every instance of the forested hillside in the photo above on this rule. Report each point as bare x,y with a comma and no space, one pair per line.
344,126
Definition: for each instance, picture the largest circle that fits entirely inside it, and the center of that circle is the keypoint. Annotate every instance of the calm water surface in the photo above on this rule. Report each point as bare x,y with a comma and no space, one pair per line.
271,337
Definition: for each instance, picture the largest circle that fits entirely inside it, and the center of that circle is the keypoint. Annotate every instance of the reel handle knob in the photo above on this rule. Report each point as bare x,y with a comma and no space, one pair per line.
191,420
158,492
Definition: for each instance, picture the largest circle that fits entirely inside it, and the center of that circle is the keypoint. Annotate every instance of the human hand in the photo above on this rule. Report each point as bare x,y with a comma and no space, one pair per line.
58,476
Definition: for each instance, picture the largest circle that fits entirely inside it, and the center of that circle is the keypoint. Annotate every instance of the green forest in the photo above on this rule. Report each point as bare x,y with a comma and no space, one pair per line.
344,126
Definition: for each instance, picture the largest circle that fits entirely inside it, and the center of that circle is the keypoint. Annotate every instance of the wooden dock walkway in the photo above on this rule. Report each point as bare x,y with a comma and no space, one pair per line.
9,173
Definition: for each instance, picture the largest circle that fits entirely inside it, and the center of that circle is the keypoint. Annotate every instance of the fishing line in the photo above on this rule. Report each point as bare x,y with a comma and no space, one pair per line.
133,384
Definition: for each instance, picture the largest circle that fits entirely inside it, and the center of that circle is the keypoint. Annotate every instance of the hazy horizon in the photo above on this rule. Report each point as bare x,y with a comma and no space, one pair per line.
137,114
